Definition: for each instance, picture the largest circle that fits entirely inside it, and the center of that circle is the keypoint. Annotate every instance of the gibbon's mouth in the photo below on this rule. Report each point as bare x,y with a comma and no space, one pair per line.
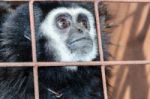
81,45
79,40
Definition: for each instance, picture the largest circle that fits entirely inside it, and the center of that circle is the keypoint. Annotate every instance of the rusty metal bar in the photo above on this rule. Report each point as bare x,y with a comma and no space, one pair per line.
67,0
138,62
36,82
130,1
86,0
104,82
96,3
34,57
51,0
94,63
98,31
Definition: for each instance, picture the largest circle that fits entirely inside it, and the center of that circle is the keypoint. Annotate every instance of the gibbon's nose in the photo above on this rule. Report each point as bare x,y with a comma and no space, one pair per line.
80,30
77,28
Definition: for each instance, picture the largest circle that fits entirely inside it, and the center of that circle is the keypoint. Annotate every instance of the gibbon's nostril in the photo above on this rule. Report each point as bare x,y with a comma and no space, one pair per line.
80,30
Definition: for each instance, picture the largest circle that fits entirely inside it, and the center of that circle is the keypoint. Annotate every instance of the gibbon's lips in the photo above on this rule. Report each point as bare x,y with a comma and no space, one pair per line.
79,40
82,45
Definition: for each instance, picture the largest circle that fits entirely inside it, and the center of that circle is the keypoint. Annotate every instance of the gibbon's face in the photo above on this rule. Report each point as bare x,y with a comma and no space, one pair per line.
71,32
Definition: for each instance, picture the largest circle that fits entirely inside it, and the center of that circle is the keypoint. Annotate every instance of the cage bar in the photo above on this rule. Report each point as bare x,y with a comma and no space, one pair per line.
48,64
34,57
130,1
100,49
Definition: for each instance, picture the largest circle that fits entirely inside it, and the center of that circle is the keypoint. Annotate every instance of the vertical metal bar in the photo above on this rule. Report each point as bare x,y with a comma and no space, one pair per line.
34,57
33,43
98,31
96,3
104,82
36,83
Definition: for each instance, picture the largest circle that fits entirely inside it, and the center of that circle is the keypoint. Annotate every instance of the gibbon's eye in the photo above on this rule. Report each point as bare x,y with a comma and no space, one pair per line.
84,23
83,20
63,22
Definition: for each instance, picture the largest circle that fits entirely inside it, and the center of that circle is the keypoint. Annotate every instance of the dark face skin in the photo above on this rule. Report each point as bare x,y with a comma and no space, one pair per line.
76,32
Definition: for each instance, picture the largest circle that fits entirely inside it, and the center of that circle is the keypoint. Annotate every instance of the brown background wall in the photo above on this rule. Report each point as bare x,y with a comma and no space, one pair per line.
131,41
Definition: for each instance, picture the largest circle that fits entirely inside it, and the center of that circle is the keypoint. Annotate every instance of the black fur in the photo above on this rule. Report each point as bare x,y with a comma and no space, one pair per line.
15,45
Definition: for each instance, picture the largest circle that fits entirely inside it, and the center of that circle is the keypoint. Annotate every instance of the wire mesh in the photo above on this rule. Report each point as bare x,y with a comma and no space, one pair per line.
101,62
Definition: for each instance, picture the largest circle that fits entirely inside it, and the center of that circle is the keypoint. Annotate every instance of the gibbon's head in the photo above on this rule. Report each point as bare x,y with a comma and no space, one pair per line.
71,33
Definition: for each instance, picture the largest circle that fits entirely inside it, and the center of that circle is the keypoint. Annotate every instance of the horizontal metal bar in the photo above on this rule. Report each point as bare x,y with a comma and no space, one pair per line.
67,0
15,0
93,63
16,64
52,0
130,1
135,62
31,64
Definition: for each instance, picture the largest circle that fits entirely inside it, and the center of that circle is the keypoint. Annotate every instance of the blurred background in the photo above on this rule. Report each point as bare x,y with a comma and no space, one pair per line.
130,38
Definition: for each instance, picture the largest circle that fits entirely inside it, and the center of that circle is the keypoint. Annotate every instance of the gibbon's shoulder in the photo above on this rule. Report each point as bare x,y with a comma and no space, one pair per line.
13,41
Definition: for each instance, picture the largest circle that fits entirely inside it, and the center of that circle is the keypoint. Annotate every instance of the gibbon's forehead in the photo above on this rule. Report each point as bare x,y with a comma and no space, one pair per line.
72,11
